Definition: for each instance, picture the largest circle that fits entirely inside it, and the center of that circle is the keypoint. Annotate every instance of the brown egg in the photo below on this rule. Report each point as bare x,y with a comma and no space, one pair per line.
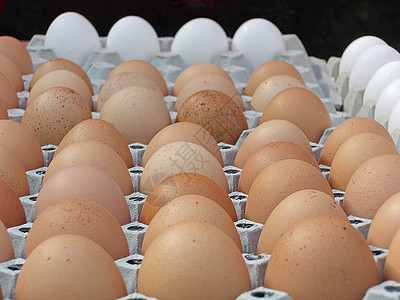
96,154
181,157
190,207
322,257
294,208
183,131
3,110
209,82
61,78
22,142
352,153
123,80
278,181
11,213
12,72
81,217
142,67
17,52
214,269
7,248
72,266
270,69
270,87
269,132
374,182
266,156
8,92
391,271
347,129
98,130
137,112
84,182
215,112
196,70
53,113
59,63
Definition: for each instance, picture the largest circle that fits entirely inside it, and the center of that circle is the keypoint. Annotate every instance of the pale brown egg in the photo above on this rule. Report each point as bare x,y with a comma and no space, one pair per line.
181,157
269,132
11,71
270,87
266,156
215,270
374,182
294,208
392,271
61,78
278,181
96,154
328,258
270,69
3,110
7,248
143,67
22,142
183,131
72,266
209,82
54,112
59,63
347,129
195,70
98,130
182,184
8,92
352,153
11,213
123,80
17,52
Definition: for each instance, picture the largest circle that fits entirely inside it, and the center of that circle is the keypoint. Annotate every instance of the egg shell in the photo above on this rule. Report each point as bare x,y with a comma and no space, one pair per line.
266,156
269,132
98,130
7,248
17,52
138,113
387,101
278,181
322,257
181,157
96,154
85,182
8,92
12,213
70,266
352,153
347,129
214,267
216,112
391,271
3,110
11,71
374,182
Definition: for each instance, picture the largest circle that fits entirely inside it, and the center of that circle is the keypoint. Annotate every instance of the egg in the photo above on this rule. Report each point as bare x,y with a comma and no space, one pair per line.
393,119
133,38
387,101
215,112
374,182
322,257
7,248
138,113
270,87
72,266
81,217
12,213
347,129
3,110
181,157
10,69
391,270
8,92
269,132
266,156
17,52
352,153
183,131
279,180
294,208
96,154
98,130
214,269
72,36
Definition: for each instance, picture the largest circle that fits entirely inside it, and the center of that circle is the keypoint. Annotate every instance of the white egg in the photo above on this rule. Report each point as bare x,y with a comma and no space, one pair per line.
199,40
354,50
387,101
369,62
72,37
259,40
133,38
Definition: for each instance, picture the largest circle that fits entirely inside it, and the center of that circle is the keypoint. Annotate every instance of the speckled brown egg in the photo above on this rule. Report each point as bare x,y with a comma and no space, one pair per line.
3,110
11,71
391,271
215,112
17,52
8,92
7,248
11,213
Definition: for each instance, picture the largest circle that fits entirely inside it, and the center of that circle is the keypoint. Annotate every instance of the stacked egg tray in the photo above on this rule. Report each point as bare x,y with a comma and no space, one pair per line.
321,78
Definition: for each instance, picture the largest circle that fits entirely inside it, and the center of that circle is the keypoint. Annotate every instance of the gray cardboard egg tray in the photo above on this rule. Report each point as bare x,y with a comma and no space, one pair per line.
320,78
